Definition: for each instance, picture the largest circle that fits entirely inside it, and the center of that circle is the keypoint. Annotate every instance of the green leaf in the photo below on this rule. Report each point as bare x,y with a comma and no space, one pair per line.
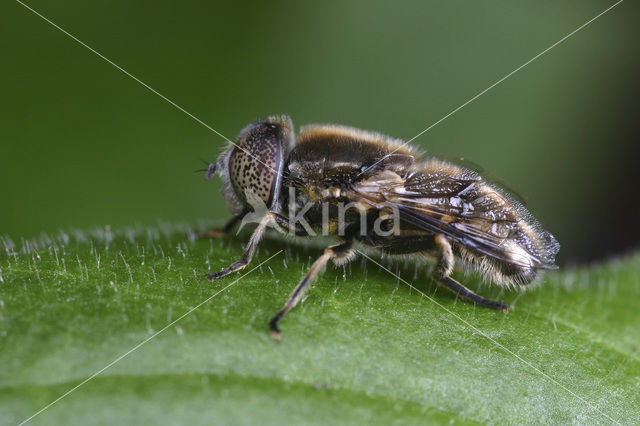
362,348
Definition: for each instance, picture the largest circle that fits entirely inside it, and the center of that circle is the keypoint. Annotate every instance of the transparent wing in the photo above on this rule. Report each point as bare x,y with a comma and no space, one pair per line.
460,208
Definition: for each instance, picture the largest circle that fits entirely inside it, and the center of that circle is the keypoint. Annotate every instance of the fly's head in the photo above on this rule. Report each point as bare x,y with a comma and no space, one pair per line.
251,170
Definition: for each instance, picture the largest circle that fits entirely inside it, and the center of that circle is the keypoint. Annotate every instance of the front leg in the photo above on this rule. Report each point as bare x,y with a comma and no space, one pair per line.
284,226
220,233
249,251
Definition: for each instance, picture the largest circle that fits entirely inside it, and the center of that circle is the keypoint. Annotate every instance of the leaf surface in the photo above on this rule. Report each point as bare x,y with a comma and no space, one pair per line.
363,346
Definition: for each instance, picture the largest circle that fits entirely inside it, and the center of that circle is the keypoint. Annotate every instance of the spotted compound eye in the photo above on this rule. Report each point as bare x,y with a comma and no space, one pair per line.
255,164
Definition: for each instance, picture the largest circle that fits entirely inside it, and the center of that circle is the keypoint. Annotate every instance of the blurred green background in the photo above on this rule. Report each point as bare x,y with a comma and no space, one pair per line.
84,145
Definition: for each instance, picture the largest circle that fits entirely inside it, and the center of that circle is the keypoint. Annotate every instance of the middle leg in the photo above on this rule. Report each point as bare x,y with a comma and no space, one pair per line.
340,252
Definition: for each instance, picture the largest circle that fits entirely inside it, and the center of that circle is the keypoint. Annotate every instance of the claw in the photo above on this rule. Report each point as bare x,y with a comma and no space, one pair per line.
273,325
214,233
212,277
276,335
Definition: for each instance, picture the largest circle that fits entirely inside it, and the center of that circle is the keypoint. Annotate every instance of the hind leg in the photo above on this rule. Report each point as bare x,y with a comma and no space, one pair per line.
443,269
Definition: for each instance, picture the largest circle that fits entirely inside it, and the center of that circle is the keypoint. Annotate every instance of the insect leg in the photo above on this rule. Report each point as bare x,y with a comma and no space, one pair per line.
219,233
443,269
248,252
288,227
341,251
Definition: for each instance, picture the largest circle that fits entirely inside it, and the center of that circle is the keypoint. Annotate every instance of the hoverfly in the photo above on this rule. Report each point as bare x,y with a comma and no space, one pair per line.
441,210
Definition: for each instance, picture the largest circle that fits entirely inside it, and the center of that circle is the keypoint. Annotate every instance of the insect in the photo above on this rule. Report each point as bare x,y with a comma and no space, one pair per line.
376,192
